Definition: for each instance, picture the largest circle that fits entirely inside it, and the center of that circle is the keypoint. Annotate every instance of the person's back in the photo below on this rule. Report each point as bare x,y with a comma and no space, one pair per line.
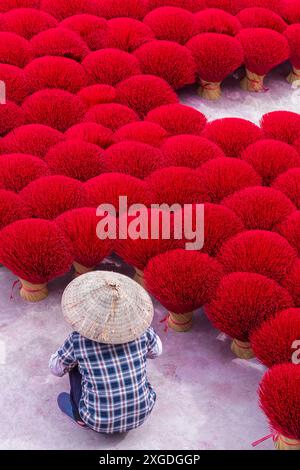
110,391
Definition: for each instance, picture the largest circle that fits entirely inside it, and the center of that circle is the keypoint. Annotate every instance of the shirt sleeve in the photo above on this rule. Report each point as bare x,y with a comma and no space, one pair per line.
154,344
64,359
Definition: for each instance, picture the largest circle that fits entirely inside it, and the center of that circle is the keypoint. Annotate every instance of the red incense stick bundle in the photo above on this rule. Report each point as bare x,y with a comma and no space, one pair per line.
142,131
55,72
91,132
189,150
272,343
110,66
171,24
216,57
76,159
59,42
280,401
260,208
142,93
111,115
14,49
258,251
243,301
36,251
34,139
270,158
182,281
289,184
50,196
292,34
27,22
214,20
127,34
16,84
12,208
133,158
178,119
109,187
11,116
257,17
54,108
90,28
168,60
80,226
156,236
223,176
263,50
290,229
233,135
292,282
17,170
281,125
177,185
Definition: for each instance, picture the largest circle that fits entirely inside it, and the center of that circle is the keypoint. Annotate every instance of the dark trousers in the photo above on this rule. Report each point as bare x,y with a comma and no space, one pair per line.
75,391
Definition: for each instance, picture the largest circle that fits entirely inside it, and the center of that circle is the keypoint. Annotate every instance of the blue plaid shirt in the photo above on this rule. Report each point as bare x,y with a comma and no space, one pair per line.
116,395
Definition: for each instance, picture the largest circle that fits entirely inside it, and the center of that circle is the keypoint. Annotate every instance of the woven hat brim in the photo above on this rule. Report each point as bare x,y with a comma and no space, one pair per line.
107,307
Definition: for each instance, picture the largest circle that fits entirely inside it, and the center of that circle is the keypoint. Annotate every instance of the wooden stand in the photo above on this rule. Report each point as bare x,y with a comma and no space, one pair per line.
33,292
80,269
139,277
242,349
253,82
294,77
209,90
285,443
180,322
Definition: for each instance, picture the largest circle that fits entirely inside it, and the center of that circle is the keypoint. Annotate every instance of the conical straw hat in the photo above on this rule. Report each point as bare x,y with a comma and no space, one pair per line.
107,307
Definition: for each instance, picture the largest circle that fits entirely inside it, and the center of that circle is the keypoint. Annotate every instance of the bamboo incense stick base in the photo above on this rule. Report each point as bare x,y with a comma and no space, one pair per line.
242,349
253,82
285,443
139,277
80,269
33,292
210,90
180,322
294,77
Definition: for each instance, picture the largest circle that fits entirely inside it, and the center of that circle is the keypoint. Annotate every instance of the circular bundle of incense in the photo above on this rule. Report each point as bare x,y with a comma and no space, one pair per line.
77,159
292,33
182,281
168,60
270,158
80,225
36,251
17,170
142,93
127,34
27,22
90,28
178,119
133,158
263,50
171,24
33,139
260,208
216,57
110,66
243,301
272,342
258,251
280,401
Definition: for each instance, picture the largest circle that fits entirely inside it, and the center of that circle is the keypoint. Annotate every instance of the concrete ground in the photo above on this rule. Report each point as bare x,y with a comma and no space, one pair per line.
206,397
